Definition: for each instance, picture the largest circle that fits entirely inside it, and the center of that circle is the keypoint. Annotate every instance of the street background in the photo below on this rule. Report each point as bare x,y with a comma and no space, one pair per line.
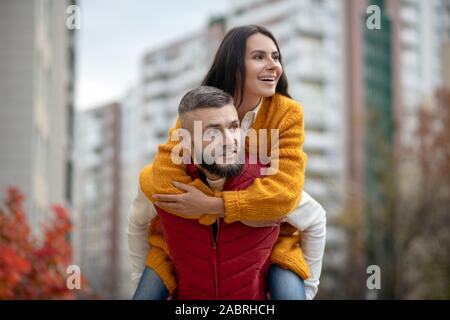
88,89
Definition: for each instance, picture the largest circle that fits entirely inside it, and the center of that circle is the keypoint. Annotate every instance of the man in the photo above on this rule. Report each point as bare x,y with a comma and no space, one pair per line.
309,217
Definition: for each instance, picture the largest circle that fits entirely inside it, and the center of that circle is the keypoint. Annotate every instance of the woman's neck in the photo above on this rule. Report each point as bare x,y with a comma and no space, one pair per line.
248,103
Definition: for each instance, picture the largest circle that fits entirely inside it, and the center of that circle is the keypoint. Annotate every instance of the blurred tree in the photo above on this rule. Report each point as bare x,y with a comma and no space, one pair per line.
352,221
31,269
406,233
368,217
423,240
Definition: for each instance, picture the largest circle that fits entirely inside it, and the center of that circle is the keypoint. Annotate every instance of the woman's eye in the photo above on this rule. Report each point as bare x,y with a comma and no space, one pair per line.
258,57
276,58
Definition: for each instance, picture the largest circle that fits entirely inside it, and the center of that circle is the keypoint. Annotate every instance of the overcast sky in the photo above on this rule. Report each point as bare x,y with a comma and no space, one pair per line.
114,35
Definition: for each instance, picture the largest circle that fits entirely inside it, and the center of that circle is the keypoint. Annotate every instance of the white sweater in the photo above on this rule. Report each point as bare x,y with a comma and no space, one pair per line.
309,218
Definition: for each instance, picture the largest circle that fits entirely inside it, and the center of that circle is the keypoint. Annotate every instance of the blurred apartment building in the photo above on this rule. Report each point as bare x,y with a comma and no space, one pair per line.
446,49
97,230
423,55
397,68
421,37
36,111
390,73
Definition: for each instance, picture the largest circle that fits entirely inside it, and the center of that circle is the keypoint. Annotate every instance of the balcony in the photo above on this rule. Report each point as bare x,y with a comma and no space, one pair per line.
309,68
409,16
410,38
323,141
311,22
321,164
264,13
155,88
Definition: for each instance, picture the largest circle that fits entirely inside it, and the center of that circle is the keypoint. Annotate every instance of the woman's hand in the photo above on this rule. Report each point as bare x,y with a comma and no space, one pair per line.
191,203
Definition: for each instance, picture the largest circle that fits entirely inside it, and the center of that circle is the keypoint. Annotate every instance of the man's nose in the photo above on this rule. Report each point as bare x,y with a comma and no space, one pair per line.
231,138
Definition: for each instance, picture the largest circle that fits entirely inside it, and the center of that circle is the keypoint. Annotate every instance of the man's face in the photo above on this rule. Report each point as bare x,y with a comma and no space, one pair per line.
217,150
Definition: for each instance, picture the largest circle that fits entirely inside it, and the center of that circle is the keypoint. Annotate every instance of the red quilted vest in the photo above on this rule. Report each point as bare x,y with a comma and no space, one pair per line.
233,266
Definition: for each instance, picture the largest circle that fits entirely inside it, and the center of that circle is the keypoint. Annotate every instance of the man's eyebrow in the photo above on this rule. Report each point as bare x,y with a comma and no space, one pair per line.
214,125
219,126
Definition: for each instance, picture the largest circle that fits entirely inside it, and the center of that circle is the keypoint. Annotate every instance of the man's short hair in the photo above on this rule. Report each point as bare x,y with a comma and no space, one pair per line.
204,97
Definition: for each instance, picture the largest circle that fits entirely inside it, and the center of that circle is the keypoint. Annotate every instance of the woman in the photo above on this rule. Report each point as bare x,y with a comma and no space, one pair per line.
248,66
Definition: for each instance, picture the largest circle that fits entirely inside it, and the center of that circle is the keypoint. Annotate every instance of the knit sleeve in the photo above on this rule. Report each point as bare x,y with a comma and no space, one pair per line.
274,196
288,254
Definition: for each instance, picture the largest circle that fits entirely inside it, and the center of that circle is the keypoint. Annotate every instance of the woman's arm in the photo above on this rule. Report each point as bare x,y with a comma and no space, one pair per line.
275,196
146,246
310,219
139,218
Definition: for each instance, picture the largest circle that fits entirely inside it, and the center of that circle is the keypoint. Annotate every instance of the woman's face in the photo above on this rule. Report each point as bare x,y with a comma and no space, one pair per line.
262,66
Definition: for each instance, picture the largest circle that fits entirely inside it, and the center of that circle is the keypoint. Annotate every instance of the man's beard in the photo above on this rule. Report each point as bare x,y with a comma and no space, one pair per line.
223,171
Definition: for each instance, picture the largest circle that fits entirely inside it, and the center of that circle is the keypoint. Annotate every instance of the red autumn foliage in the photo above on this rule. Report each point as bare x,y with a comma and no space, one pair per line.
32,269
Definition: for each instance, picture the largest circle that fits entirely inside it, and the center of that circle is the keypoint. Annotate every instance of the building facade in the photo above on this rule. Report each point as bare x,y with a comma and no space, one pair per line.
36,111
97,227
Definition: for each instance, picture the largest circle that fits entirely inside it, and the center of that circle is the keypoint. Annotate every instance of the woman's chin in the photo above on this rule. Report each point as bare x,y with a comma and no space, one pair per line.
268,91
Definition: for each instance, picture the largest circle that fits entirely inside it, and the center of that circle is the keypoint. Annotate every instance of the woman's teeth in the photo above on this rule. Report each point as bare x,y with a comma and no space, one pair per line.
267,79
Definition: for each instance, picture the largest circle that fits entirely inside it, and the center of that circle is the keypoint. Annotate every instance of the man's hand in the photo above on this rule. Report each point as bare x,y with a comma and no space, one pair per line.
191,203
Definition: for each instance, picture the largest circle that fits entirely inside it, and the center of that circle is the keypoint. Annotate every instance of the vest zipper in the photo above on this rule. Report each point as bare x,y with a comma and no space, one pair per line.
214,259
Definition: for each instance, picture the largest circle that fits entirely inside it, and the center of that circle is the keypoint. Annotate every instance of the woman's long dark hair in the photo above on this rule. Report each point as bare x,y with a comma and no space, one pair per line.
229,62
